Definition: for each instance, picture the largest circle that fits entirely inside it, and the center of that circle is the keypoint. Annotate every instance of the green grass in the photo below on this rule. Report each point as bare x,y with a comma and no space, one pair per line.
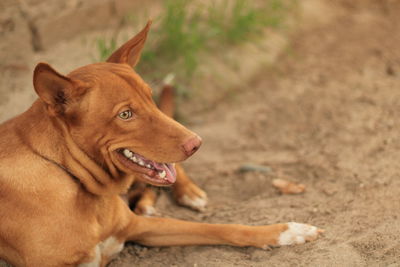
178,40
188,30
105,47
239,21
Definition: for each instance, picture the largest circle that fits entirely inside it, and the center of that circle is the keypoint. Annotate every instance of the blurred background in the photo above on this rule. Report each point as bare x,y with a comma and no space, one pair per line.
193,40
306,91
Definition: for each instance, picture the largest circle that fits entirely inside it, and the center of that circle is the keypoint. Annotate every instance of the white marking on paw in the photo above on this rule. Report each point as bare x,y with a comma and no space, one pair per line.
196,203
298,233
149,211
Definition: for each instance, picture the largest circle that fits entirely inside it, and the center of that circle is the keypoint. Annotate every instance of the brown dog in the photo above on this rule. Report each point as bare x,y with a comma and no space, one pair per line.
66,160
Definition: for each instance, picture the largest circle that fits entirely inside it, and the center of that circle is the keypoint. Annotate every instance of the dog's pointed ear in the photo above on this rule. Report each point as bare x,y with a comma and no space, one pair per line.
54,89
130,52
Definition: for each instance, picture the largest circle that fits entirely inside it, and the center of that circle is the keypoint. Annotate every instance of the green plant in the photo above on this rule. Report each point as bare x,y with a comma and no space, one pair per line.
187,30
234,22
178,40
105,48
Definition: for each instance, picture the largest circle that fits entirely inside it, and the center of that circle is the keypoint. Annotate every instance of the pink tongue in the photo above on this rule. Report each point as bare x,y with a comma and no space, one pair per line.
171,176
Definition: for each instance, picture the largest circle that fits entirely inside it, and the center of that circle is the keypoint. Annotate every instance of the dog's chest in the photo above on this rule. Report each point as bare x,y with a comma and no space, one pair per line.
107,249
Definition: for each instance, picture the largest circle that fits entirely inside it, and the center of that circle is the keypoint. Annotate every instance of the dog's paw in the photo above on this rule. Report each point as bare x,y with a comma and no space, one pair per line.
191,196
146,210
298,233
196,203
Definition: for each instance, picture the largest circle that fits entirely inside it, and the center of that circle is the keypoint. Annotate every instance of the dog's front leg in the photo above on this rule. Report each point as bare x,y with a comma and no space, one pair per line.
171,232
186,192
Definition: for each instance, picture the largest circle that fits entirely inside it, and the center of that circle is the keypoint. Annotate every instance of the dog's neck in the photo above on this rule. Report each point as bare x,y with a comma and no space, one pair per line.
53,142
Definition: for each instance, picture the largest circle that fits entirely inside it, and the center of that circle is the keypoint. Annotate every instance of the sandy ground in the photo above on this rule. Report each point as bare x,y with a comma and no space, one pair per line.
326,115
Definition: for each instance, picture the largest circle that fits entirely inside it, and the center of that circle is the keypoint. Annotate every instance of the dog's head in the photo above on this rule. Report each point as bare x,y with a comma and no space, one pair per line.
110,114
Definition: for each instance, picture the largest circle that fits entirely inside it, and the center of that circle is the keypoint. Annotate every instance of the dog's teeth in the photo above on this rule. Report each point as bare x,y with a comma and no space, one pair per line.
127,153
141,163
162,174
148,166
134,159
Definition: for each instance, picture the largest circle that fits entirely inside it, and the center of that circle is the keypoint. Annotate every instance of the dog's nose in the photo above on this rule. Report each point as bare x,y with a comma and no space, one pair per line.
191,145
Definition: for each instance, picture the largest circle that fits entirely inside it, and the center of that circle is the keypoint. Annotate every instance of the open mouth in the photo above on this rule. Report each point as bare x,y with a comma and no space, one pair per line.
153,172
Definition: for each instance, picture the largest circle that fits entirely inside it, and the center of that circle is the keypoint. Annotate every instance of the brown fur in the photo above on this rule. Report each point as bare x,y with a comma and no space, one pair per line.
61,179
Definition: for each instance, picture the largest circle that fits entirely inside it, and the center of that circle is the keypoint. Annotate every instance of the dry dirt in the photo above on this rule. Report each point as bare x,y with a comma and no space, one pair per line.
326,115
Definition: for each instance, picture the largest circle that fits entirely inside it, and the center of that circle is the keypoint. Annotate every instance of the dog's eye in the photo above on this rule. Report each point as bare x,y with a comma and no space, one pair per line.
125,115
